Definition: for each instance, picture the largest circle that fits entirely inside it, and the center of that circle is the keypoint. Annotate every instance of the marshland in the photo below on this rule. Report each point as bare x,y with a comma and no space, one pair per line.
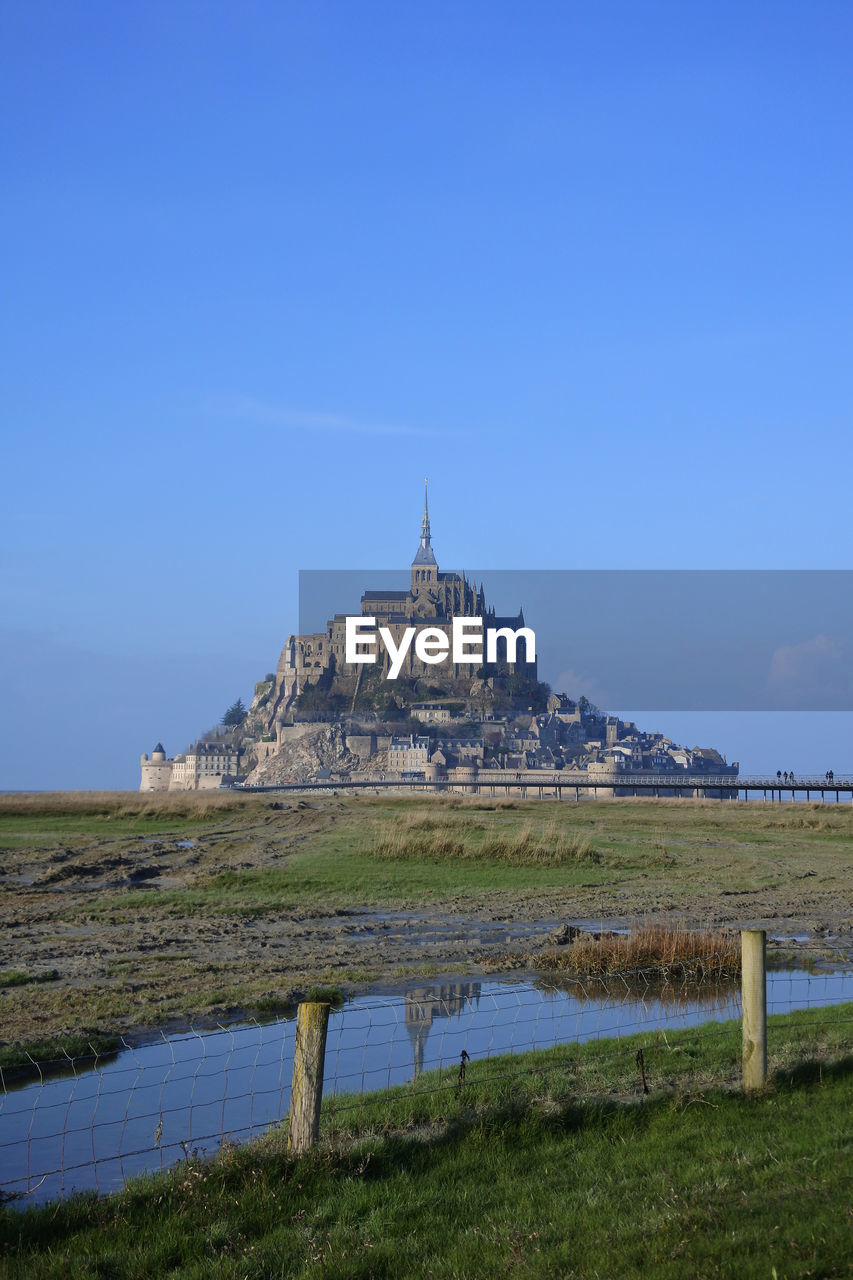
122,910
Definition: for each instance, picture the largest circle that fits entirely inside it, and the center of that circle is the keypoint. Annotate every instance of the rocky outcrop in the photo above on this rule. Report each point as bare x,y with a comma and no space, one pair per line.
307,749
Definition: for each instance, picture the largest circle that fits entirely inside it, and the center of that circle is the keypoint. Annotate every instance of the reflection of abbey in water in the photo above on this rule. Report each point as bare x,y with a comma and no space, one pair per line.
423,1004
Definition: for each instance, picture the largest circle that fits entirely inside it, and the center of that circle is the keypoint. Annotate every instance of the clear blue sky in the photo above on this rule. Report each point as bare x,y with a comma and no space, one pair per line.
266,265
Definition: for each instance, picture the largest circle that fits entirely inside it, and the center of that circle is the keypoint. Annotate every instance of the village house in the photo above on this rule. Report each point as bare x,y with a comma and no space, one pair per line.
405,754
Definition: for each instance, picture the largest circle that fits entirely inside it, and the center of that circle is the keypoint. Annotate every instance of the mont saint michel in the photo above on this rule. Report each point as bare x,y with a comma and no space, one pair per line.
322,717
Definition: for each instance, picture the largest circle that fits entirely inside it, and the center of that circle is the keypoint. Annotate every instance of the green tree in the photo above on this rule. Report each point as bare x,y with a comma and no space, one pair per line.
235,715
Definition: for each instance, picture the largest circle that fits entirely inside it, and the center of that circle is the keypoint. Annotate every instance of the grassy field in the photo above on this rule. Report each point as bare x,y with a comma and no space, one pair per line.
398,851
392,849
51,818
537,1167
125,909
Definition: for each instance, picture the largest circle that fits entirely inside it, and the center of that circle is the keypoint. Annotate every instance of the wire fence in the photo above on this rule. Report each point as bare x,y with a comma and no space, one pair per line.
624,1034
414,1057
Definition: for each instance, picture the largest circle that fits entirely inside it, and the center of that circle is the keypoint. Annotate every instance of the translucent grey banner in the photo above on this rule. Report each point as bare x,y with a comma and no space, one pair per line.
661,640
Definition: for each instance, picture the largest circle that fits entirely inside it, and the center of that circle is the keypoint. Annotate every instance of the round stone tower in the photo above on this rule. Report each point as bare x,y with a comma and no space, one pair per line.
156,772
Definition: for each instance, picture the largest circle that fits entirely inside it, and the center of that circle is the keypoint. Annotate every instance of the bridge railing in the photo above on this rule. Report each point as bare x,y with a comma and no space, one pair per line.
548,778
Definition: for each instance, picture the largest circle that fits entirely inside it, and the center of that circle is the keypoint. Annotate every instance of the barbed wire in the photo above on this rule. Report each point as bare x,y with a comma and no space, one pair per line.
90,1121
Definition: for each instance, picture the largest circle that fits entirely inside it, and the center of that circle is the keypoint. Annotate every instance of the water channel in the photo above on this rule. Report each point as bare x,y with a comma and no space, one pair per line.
149,1105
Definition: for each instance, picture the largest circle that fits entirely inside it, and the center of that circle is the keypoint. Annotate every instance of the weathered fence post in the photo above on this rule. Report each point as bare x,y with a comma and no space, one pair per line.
754,1007
306,1092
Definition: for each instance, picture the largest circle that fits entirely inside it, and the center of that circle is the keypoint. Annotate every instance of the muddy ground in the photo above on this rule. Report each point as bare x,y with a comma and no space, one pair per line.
118,927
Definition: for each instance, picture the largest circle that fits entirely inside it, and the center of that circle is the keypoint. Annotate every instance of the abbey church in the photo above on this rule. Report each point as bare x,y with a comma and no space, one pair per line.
433,599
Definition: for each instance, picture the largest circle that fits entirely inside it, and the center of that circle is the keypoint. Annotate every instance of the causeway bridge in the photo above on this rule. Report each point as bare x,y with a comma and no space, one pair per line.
571,785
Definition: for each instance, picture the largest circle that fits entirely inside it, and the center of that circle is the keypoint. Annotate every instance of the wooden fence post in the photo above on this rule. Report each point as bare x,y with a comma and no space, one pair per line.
754,1007
306,1092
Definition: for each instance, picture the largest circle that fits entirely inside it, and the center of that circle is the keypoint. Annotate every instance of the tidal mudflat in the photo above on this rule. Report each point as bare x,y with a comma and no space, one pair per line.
122,910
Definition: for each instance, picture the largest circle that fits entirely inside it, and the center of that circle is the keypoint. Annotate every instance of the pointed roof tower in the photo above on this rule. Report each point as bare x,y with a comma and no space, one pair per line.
425,553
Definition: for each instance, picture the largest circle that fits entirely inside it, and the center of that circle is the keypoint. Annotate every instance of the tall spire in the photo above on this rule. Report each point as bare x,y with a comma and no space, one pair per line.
425,553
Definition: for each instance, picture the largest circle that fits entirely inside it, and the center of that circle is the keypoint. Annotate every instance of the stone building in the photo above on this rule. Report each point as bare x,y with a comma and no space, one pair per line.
205,765
156,772
431,712
460,750
408,753
201,768
433,599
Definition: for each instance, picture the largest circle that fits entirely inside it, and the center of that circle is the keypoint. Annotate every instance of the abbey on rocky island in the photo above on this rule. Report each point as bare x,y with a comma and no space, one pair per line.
406,713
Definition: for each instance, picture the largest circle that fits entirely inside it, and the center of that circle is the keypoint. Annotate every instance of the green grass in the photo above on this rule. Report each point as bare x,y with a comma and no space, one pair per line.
531,1177
447,837
54,1052
342,876
22,832
345,873
401,851
19,978
685,1060
325,995
34,819
397,851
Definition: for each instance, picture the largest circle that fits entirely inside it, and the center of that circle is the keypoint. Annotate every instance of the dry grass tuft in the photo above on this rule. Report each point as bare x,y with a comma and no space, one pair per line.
446,837
674,952
122,804
819,817
553,847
